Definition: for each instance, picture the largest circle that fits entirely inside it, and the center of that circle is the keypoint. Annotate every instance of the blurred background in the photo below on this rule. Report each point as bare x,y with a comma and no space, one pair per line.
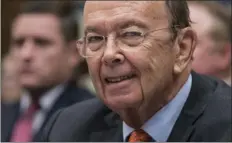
210,19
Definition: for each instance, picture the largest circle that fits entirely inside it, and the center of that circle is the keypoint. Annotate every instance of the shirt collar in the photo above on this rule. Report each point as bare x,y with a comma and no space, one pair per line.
46,101
160,125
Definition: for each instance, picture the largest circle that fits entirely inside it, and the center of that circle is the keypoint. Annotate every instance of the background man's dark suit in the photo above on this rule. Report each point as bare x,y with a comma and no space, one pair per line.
10,113
206,116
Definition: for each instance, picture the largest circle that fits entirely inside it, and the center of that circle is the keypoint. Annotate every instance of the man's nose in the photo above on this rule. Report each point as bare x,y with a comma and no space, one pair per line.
112,54
27,51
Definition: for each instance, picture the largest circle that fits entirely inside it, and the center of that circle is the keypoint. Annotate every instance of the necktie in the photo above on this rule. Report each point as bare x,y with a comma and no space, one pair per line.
140,135
22,131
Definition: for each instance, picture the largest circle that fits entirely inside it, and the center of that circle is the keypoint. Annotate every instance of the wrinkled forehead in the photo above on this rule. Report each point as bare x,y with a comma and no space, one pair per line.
97,9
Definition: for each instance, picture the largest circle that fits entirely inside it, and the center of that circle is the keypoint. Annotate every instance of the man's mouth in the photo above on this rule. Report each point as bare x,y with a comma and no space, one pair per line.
111,80
26,71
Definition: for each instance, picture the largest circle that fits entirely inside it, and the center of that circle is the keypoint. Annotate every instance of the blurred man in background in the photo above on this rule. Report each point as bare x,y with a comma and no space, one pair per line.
212,22
43,47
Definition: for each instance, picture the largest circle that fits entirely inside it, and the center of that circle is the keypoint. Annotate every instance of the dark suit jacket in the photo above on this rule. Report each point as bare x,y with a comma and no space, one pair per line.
206,116
10,112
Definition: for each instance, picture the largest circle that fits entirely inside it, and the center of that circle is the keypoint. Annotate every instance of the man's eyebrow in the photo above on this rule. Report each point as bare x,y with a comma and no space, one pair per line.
119,25
91,29
131,22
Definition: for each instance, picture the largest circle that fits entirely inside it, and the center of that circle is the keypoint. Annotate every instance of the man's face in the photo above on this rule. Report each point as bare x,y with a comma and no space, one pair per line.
130,77
206,58
39,46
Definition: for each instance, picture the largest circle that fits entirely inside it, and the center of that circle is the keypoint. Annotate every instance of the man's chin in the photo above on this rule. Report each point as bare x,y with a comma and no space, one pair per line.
124,102
30,84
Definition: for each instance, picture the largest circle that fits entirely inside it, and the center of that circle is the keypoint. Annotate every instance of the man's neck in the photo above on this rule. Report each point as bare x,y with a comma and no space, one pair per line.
45,98
37,93
135,118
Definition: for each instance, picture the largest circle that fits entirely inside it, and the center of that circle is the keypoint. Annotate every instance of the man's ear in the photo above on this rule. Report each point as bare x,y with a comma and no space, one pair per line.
184,47
74,56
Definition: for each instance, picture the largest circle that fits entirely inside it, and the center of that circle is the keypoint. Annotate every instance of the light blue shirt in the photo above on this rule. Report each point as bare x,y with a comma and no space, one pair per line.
160,125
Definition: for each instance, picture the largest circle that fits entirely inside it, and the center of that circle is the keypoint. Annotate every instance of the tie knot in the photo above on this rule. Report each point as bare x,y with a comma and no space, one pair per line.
139,135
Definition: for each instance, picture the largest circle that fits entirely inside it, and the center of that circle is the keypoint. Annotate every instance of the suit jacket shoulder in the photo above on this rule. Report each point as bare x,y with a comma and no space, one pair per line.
216,118
71,95
81,122
206,115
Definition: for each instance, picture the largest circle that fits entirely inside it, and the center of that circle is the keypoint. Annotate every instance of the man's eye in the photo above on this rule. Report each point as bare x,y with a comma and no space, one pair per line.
131,34
93,39
18,42
42,42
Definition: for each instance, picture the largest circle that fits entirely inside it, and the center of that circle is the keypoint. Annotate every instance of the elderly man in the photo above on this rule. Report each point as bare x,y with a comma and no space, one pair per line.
139,57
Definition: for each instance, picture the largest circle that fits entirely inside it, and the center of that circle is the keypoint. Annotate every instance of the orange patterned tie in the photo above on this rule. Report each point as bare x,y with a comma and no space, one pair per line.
140,135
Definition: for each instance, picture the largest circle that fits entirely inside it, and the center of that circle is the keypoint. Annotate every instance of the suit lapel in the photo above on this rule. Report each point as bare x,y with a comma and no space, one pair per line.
10,113
192,110
64,100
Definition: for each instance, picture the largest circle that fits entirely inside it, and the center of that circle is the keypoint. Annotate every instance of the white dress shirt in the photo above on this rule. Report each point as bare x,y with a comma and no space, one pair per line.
46,102
160,125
